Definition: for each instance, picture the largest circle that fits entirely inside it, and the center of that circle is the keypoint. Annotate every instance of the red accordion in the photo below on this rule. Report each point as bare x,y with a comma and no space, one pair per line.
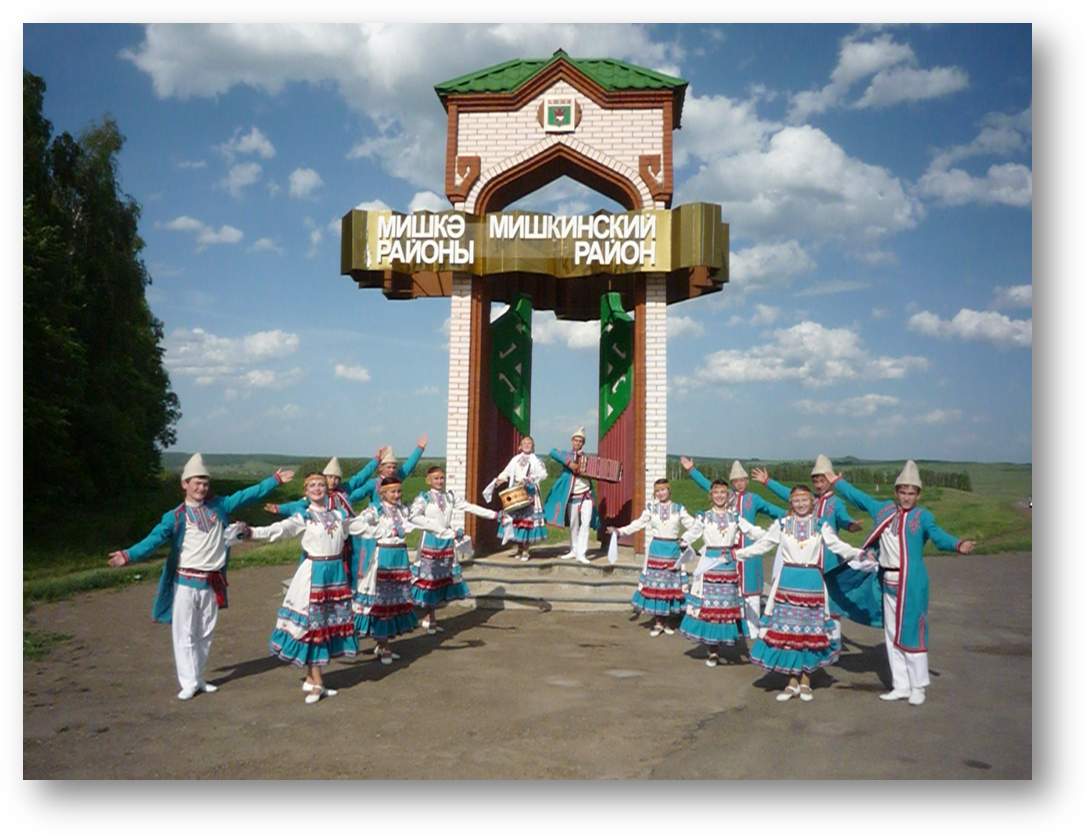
603,469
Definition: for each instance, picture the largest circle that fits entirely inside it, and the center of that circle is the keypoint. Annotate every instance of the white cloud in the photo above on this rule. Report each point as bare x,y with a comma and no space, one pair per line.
214,359
1022,295
547,330
253,142
372,206
909,84
204,234
977,325
892,68
266,245
191,164
764,315
768,265
303,182
1009,183
807,353
315,236
426,390
679,326
800,183
863,406
263,378
365,63
355,373
1001,135
240,176
428,201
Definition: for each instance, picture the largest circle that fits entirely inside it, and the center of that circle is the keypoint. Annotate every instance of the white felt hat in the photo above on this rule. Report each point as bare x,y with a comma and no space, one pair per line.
333,468
195,467
822,466
580,433
737,471
909,477
388,457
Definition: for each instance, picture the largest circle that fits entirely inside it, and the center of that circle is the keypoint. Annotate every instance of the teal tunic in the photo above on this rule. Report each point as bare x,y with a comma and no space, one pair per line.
561,491
172,529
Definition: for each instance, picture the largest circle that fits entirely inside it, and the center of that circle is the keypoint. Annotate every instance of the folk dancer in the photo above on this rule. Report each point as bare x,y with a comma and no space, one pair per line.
831,509
337,498
525,470
383,605
436,575
572,497
749,506
192,588
715,609
795,631
901,529
662,587
315,623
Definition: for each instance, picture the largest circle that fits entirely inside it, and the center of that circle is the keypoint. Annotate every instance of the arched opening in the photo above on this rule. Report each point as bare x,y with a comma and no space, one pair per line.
557,161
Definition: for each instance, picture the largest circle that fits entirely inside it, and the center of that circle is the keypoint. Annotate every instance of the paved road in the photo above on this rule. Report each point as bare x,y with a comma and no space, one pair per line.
525,694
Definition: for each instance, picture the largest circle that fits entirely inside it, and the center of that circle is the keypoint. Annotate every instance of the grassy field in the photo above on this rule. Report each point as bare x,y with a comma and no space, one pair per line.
60,562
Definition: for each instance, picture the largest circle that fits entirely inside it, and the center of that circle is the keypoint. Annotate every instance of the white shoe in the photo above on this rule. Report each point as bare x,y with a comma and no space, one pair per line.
805,693
895,695
583,559
669,630
524,557
306,687
207,688
655,631
187,694
711,661
316,691
917,696
567,556
787,693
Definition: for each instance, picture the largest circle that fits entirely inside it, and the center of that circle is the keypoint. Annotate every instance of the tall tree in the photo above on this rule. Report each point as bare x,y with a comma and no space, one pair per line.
97,401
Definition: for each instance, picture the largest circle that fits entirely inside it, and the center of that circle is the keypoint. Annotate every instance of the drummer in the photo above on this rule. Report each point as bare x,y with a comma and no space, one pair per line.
572,497
525,471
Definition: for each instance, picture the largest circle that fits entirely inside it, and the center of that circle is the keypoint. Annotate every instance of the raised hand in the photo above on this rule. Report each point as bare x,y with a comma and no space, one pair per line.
760,475
381,450
117,559
686,462
421,443
966,546
284,475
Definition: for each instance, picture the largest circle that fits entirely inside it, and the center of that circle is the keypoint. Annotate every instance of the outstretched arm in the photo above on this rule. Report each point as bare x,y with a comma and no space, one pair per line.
413,459
837,545
762,506
858,498
776,487
289,528
941,538
255,492
360,478
762,545
143,549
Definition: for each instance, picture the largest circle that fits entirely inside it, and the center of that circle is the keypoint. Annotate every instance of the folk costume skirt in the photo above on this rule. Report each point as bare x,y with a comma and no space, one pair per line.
436,576
660,587
383,604
314,624
797,632
715,609
529,526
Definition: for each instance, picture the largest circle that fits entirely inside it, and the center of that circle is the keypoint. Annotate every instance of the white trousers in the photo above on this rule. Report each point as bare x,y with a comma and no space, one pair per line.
194,614
581,519
752,612
909,670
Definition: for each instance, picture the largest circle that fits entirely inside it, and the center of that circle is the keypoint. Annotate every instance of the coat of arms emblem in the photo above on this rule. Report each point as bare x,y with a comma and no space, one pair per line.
558,114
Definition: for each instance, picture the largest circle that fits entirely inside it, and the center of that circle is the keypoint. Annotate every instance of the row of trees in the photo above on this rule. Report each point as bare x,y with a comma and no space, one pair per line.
97,403
799,472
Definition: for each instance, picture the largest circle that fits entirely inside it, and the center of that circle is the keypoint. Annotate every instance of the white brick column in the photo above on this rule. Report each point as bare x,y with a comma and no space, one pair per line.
456,445
656,382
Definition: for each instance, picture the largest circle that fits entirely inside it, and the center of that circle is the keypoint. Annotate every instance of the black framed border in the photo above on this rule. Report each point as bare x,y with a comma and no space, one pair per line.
454,805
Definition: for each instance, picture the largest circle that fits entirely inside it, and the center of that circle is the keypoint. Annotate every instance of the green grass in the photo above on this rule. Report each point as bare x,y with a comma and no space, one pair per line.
37,645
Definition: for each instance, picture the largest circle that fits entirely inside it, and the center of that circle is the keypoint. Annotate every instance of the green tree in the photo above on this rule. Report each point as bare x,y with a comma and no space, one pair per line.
97,401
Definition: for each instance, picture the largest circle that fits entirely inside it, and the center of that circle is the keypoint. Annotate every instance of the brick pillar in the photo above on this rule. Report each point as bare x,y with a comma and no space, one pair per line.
656,382
456,445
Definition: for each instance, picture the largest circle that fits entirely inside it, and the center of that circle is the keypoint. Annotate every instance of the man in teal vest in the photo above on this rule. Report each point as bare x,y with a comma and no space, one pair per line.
572,496
192,588
900,531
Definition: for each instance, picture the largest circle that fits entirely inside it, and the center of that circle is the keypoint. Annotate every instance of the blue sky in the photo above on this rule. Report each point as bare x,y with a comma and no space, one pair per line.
877,183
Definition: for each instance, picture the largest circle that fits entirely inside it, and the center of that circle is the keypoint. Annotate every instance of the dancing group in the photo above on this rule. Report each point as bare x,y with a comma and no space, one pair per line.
355,578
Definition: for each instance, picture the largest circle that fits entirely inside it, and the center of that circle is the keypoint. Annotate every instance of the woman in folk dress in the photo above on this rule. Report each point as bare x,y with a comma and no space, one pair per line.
715,606
435,575
383,604
525,470
662,587
795,638
314,624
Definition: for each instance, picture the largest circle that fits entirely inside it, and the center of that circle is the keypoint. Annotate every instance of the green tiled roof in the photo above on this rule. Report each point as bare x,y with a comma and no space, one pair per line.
609,73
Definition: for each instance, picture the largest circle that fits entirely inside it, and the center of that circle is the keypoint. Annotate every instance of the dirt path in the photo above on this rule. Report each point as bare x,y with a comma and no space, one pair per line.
519,694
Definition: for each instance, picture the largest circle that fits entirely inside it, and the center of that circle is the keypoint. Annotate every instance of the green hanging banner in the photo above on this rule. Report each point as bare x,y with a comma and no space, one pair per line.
511,364
616,360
